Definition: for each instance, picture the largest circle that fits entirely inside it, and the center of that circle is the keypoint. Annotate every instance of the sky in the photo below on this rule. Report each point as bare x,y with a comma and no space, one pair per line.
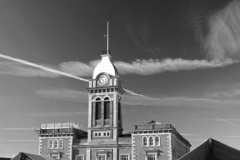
179,59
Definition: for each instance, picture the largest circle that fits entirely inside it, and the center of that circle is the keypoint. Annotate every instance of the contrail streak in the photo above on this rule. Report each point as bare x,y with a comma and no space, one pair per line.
227,122
57,71
41,67
135,94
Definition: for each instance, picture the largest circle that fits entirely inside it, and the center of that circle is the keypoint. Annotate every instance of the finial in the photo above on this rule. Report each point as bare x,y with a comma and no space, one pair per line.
107,37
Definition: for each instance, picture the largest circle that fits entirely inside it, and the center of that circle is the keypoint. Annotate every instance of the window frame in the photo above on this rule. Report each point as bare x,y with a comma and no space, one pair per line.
159,141
60,140
55,141
80,155
54,157
128,156
146,138
153,141
98,108
50,145
147,154
106,109
105,155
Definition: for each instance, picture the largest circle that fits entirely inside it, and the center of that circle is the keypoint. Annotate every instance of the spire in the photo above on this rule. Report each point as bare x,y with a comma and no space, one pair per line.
106,38
105,66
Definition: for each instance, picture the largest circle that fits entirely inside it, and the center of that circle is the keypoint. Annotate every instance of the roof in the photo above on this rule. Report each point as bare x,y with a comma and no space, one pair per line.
105,66
4,158
31,156
212,149
153,122
154,127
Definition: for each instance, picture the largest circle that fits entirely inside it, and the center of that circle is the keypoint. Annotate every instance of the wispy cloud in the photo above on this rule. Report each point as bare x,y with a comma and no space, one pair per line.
180,102
150,67
223,40
41,67
65,94
55,114
224,92
190,134
16,129
80,96
227,122
75,69
19,140
146,67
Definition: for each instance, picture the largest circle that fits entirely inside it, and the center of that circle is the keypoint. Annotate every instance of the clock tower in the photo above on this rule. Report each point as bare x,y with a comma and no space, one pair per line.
104,105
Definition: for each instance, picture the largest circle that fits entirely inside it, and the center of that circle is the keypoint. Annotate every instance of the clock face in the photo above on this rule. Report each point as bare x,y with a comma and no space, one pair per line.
102,80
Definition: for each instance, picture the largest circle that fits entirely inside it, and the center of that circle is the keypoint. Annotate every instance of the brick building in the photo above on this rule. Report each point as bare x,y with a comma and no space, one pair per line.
104,138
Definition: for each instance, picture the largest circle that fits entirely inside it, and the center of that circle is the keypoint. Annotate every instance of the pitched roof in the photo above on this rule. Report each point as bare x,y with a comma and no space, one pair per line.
31,156
212,149
152,122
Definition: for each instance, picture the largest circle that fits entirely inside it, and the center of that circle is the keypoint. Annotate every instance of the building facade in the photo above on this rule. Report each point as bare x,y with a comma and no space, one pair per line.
104,138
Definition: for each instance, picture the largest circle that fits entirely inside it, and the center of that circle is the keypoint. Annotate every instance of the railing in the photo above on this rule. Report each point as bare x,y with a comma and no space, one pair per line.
61,125
152,127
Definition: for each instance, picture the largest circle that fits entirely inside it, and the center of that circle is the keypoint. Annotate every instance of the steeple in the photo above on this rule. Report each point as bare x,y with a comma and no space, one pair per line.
106,65
105,98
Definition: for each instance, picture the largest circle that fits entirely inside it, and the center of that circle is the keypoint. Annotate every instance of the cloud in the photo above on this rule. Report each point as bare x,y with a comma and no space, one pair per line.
75,69
19,140
78,68
150,67
179,102
227,122
223,40
13,68
41,67
16,129
145,67
80,96
55,114
224,92
190,134
65,94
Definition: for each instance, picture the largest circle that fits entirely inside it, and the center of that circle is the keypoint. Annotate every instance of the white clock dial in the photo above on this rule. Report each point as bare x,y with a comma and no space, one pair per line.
102,80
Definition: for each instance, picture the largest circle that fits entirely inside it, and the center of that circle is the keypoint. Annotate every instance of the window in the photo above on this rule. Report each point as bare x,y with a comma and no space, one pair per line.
157,141
50,144
101,157
119,111
124,157
80,157
102,134
98,109
60,143
151,156
55,143
145,141
55,155
151,141
106,108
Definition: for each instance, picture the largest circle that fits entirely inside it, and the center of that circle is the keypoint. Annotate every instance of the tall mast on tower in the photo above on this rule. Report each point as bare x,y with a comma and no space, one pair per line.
108,37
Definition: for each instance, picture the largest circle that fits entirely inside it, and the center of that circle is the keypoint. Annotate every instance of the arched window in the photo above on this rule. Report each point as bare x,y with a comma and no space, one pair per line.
60,143
98,109
50,144
157,141
145,142
55,143
119,111
151,141
106,108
